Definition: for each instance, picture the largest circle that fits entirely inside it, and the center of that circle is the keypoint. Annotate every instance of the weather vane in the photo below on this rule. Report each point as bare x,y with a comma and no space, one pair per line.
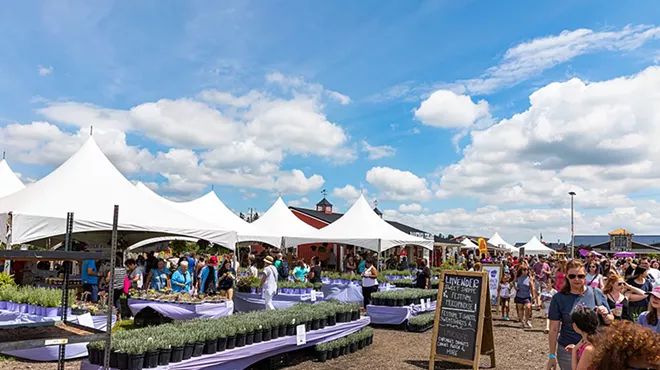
376,203
324,193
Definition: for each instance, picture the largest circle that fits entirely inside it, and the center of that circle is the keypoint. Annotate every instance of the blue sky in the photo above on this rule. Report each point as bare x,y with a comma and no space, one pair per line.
344,90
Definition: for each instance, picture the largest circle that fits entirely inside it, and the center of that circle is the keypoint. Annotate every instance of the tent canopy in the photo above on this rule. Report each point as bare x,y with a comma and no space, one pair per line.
88,185
212,210
279,220
468,244
362,227
497,241
534,246
9,182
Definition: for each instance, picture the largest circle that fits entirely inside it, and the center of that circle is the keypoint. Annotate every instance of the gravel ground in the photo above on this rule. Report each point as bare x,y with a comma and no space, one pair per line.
515,349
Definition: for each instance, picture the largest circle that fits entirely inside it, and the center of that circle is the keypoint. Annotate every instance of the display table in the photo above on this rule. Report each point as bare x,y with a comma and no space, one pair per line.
245,302
183,311
50,353
388,315
241,358
348,292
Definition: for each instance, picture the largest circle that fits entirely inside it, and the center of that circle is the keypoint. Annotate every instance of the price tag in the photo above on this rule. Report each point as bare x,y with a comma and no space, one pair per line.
423,302
313,296
428,303
301,335
52,342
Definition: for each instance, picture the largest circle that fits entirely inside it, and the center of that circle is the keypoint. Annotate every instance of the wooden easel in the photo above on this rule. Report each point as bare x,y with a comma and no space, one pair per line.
485,341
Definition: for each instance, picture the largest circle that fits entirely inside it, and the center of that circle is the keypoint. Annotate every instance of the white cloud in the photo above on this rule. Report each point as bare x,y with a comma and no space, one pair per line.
298,202
529,59
44,70
593,138
377,152
410,208
348,193
246,194
398,185
295,182
298,85
447,109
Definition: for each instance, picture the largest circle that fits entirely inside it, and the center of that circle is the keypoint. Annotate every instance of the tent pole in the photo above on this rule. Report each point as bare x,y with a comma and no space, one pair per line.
8,241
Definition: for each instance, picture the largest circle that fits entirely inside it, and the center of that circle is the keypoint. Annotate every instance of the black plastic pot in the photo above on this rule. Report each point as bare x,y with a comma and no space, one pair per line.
188,351
370,340
407,302
113,359
375,301
265,337
315,324
390,302
275,332
221,344
177,355
249,338
353,347
198,350
282,331
329,354
342,351
339,316
93,355
291,329
150,360
322,323
231,342
240,340
400,302
122,360
355,315
360,344
308,325
210,347
101,356
321,356
164,356
136,362
332,320
335,352
258,335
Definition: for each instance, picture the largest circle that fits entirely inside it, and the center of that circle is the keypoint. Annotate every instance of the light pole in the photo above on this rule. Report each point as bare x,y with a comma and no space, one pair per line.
572,194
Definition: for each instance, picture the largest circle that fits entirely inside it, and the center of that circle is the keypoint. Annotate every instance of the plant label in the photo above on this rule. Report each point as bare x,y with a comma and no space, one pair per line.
428,303
301,335
52,342
423,302
313,296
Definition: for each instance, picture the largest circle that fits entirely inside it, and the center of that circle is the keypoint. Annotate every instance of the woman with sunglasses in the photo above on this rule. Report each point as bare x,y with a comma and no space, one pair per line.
574,293
619,295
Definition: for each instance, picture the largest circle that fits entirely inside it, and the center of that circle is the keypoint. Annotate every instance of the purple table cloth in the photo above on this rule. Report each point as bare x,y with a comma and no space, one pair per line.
246,302
183,311
241,358
348,293
49,353
387,315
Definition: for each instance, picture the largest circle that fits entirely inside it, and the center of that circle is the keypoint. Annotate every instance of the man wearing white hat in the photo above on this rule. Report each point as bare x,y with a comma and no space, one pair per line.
269,282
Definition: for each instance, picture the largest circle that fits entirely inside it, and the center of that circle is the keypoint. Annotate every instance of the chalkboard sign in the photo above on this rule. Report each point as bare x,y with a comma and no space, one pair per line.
463,308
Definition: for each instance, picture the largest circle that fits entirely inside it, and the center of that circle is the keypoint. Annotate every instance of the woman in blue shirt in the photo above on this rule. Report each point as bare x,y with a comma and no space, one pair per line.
573,294
299,272
181,279
651,318
159,278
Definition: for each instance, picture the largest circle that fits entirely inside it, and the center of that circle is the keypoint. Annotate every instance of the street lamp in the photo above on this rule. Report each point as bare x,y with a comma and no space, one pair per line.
572,194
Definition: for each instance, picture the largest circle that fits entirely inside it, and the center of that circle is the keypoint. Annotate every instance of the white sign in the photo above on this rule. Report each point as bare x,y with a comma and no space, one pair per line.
301,335
423,302
494,278
86,320
313,296
428,303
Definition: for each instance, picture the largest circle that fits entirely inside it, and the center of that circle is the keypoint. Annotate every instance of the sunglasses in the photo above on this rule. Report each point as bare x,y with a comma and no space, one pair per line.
579,276
620,283
592,266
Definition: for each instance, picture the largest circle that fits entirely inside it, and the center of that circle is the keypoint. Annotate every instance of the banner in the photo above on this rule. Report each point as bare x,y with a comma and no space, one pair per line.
483,247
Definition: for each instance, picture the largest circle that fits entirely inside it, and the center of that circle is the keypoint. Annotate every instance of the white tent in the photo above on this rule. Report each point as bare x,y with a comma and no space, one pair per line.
534,246
497,241
279,220
468,244
88,185
9,182
212,210
362,227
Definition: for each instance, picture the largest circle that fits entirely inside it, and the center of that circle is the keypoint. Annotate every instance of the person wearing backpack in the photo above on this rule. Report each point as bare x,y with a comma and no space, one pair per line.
282,268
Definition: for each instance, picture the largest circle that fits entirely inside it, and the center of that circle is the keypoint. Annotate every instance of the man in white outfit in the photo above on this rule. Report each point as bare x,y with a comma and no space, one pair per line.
269,282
